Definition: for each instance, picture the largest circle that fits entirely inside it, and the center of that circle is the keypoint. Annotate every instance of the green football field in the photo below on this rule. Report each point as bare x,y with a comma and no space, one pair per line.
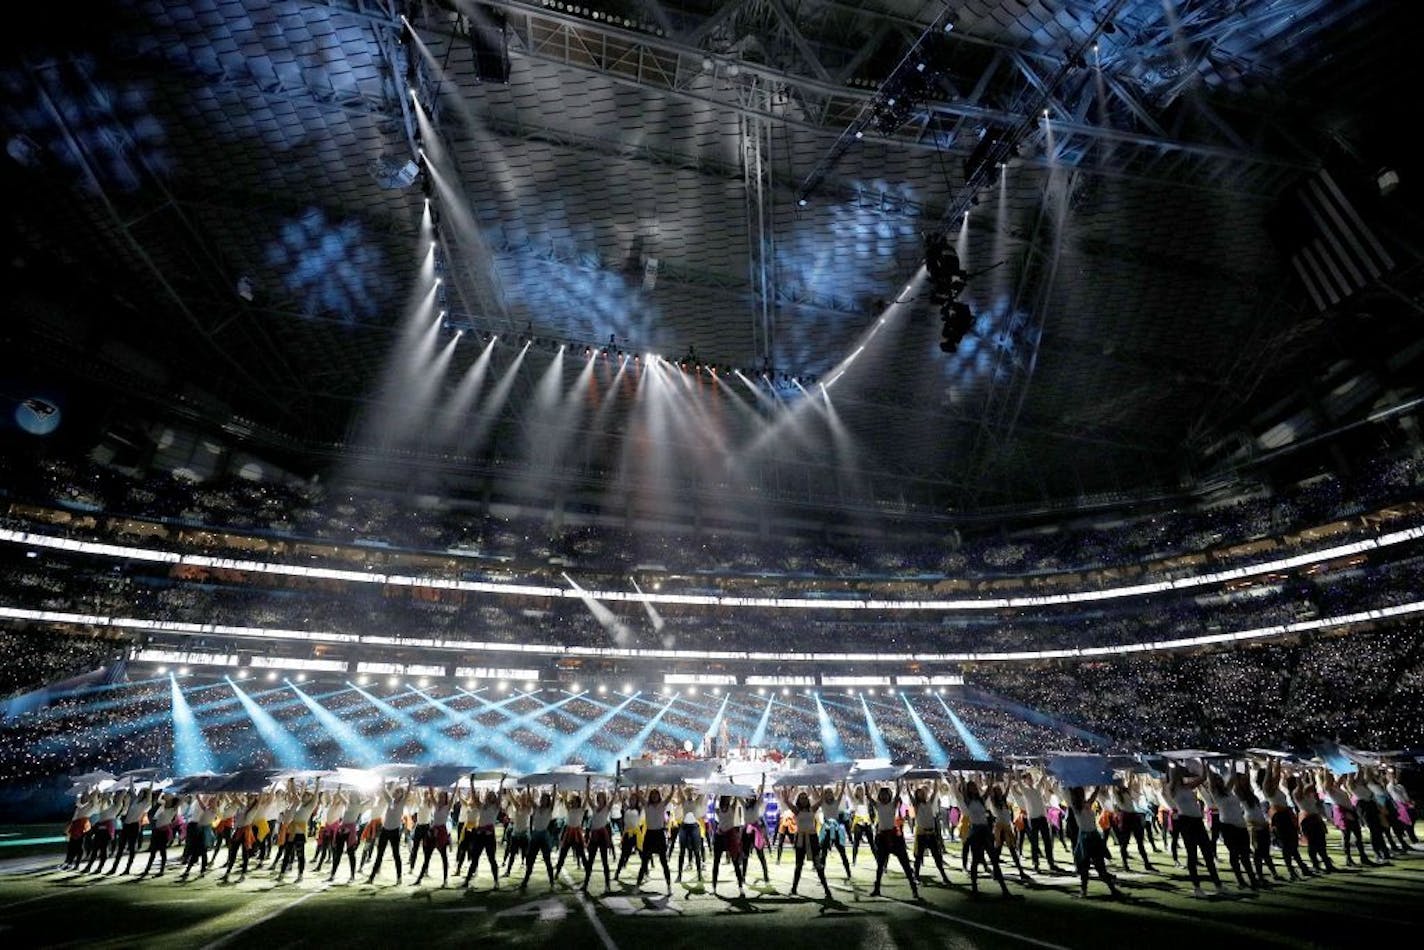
40,906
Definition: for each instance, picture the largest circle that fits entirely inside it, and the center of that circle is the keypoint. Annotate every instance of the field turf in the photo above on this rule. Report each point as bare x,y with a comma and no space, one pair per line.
40,906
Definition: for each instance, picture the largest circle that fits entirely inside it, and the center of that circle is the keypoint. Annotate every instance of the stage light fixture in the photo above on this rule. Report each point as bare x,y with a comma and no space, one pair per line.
424,682
469,684
575,689
301,677
362,680
716,691
162,670
393,682
761,690
272,677
530,686
242,674
628,688
602,689
503,686
786,691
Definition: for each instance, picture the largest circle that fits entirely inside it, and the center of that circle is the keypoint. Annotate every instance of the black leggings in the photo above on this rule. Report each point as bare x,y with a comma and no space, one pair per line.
859,830
981,840
1370,812
808,844
295,847
572,841
626,849
722,843
1313,827
1037,831
1238,853
655,843
341,843
158,845
99,848
430,848
1198,842
539,846
478,842
1261,851
1129,826
1090,854
237,845
1287,829
749,837
128,839
600,845
689,838
888,843
929,841
417,838
389,837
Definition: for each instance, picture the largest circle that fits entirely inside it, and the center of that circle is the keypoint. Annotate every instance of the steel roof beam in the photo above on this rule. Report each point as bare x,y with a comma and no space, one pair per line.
671,66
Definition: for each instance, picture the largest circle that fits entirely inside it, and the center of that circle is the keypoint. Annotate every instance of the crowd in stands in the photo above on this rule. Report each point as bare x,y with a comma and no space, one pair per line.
80,584
34,657
380,525
1362,688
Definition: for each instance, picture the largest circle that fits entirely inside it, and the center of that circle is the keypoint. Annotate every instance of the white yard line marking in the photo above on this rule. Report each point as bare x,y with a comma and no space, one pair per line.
961,920
592,915
228,938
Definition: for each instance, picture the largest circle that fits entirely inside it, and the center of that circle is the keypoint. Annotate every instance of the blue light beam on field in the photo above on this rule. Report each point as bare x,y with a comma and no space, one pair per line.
360,750
760,733
438,746
717,719
285,748
938,757
975,747
831,745
574,741
877,741
635,744
191,753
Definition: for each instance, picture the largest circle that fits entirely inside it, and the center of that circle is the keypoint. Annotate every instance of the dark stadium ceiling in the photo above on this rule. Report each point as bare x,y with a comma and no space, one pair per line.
1135,321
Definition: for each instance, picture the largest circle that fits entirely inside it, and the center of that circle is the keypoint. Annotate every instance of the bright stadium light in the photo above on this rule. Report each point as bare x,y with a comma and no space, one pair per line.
530,686
272,676
393,682
602,689
424,682
503,686
301,677
363,679
574,688
627,687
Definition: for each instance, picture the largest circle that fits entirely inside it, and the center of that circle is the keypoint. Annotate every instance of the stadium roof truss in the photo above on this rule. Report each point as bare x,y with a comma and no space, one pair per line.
199,145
